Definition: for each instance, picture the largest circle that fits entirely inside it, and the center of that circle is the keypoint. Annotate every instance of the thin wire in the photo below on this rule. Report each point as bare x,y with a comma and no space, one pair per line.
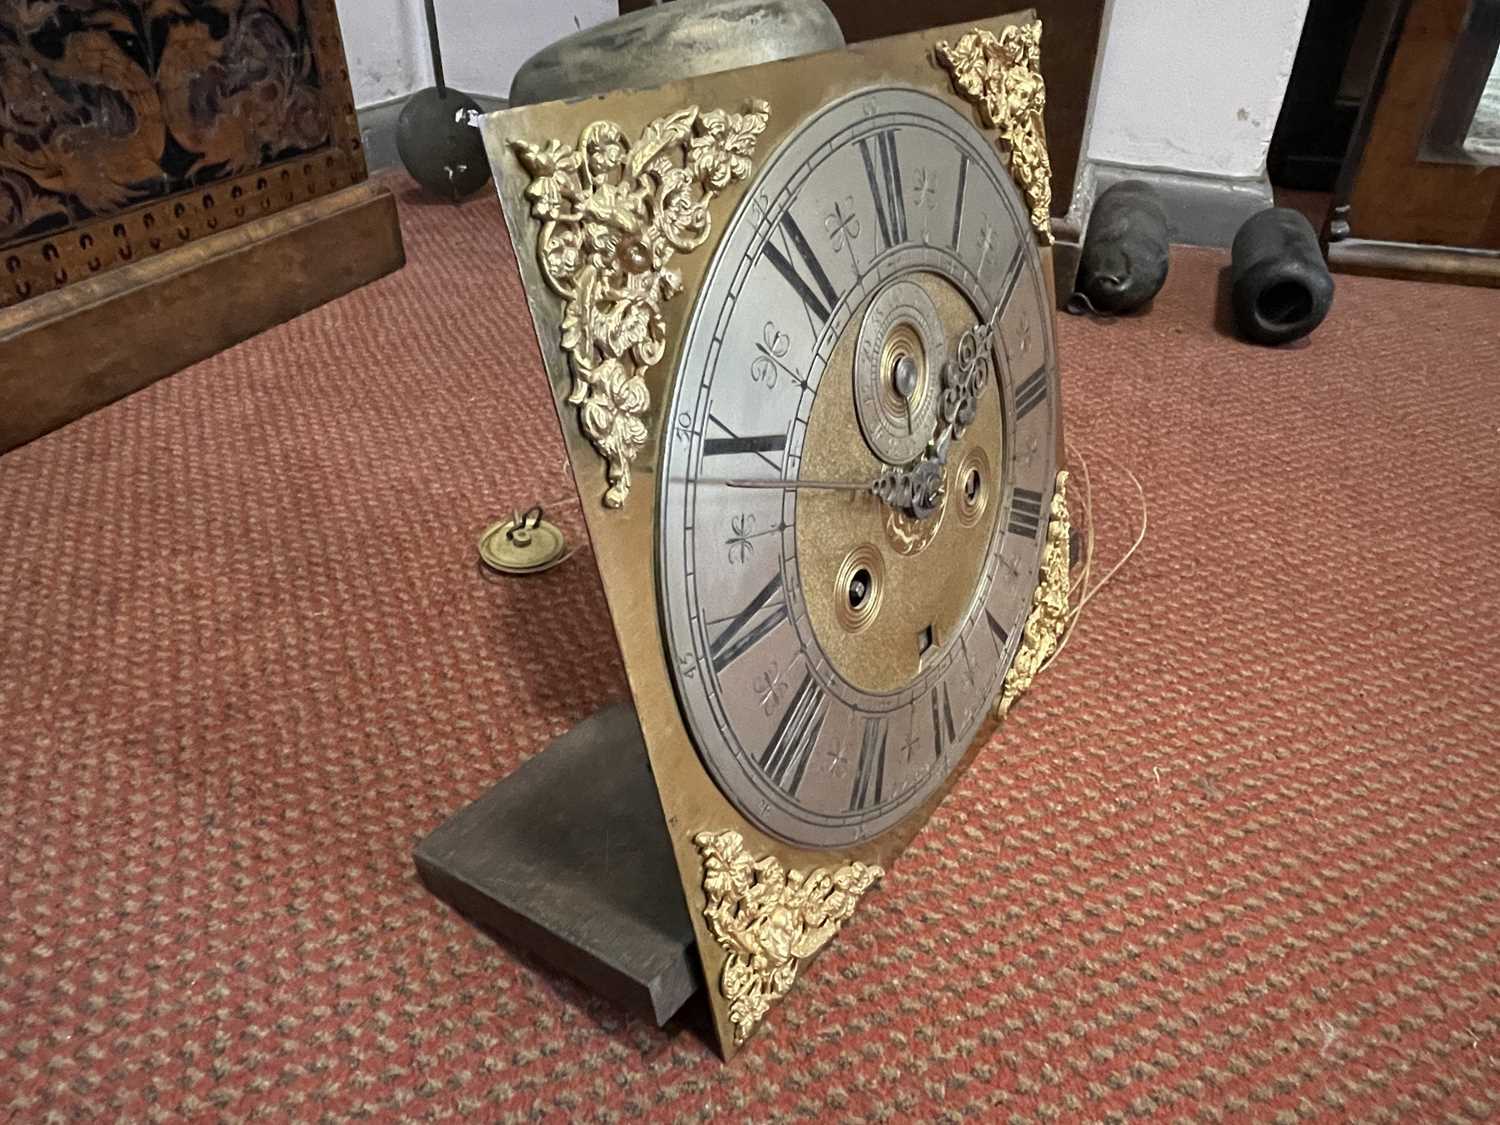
1088,518
572,499
1140,538
1087,502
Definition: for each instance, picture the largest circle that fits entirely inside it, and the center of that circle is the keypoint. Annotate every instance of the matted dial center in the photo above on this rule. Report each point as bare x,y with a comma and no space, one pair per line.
875,581
902,347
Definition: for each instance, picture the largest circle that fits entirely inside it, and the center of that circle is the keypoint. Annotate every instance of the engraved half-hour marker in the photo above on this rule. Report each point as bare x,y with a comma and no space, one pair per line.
735,640
869,779
820,302
1031,393
885,186
784,759
958,200
1025,512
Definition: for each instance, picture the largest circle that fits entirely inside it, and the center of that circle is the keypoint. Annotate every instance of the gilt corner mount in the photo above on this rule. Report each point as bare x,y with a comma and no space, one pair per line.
768,919
613,215
1001,75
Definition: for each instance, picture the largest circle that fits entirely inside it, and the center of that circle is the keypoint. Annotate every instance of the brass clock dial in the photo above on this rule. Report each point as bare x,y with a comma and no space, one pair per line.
797,324
833,654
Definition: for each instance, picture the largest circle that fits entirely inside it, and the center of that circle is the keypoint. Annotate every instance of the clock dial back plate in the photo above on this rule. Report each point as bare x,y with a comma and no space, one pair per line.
816,734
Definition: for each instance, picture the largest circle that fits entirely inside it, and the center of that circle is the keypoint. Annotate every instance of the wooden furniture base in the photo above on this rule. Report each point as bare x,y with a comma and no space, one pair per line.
1410,261
568,859
73,350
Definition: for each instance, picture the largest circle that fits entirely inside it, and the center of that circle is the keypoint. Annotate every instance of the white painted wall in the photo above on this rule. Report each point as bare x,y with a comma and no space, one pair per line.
484,41
381,41
1186,85
1192,85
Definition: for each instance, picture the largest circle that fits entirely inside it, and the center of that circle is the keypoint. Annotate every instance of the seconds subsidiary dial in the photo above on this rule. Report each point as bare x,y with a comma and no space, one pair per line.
835,648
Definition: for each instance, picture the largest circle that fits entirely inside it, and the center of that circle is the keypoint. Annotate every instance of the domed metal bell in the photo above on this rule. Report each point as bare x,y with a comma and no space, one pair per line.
673,41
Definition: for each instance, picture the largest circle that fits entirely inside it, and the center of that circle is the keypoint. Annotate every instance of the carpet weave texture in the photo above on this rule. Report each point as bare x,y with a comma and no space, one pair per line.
1236,856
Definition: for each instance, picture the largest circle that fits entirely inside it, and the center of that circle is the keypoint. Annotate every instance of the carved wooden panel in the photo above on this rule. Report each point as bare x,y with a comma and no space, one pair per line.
130,127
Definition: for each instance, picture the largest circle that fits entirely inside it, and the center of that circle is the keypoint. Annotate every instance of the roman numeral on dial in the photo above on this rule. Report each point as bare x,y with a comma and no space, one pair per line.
958,201
885,186
1012,274
736,639
869,779
1032,393
784,759
1002,639
819,296
1025,513
942,720
757,444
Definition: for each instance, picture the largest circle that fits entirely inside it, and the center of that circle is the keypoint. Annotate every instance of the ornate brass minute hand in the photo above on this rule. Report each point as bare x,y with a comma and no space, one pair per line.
798,485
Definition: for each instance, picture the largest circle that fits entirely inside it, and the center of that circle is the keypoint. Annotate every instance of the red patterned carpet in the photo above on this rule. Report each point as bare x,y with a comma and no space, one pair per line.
1237,856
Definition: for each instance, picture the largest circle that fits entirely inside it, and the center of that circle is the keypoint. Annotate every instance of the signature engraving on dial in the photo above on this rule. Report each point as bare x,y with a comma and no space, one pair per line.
897,361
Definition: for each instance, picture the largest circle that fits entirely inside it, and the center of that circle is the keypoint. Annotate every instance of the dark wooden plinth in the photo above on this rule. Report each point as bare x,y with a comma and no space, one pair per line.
568,858
73,350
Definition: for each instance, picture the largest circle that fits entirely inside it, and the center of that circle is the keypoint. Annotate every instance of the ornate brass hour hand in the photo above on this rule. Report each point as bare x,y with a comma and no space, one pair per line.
964,377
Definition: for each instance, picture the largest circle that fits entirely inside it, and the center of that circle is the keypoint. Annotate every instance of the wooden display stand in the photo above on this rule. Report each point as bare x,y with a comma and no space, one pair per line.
220,189
603,904
73,350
